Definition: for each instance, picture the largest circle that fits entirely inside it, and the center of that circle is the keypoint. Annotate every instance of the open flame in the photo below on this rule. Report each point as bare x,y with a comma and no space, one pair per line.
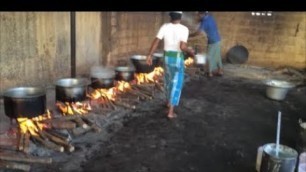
111,93
123,86
188,62
108,93
150,77
33,125
72,108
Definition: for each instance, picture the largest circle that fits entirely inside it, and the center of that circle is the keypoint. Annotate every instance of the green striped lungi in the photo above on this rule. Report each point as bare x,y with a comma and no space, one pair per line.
173,75
214,56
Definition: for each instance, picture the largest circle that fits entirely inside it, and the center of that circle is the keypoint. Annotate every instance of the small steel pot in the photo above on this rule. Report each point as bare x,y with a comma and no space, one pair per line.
140,63
71,89
98,83
285,161
26,102
125,73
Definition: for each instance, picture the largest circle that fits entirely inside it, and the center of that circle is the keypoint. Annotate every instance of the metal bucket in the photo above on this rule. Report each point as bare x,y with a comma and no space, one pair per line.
277,89
285,161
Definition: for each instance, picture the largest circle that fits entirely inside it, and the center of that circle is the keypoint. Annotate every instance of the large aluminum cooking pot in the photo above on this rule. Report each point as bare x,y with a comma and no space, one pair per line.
24,102
140,63
125,73
277,89
71,89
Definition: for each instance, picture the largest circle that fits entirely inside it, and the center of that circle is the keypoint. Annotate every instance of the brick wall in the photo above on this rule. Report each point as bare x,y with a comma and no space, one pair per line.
131,33
272,41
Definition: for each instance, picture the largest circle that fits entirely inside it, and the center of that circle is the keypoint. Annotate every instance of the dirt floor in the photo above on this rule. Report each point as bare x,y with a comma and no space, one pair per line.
221,123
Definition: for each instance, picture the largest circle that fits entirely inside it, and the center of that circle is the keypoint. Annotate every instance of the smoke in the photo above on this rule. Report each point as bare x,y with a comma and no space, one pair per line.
102,72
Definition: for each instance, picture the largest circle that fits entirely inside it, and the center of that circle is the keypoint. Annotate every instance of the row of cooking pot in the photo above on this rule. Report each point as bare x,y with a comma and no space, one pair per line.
31,101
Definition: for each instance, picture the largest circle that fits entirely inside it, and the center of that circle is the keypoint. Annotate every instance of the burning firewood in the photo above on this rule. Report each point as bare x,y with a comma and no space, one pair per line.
73,108
15,166
15,156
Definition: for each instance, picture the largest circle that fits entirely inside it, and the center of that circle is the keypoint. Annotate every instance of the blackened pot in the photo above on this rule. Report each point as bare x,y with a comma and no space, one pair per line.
98,83
26,102
71,89
160,60
140,63
125,73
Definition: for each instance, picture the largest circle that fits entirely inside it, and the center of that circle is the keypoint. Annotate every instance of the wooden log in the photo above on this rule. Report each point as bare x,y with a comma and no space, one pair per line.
7,142
126,105
145,95
93,125
80,122
109,103
55,139
49,144
134,93
159,87
15,166
26,142
62,136
62,118
127,99
80,130
145,90
69,148
21,141
105,102
147,85
21,158
58,124
58,140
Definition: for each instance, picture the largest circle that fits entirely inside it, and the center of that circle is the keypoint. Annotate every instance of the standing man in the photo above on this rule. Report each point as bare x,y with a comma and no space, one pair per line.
209,26
175,36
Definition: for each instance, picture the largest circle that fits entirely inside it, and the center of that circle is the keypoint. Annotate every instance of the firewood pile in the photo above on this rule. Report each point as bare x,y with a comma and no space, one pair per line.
128,98
56,130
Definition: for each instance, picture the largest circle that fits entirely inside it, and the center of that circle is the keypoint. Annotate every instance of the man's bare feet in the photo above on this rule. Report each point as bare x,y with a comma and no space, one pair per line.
209,75
171,116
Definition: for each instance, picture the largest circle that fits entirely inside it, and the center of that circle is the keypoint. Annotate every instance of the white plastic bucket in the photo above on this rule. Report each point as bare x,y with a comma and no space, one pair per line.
200,59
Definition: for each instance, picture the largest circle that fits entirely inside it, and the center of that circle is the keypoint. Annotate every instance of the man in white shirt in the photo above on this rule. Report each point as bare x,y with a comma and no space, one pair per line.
175,36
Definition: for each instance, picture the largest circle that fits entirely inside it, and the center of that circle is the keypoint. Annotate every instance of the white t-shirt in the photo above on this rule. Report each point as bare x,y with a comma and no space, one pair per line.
173,34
